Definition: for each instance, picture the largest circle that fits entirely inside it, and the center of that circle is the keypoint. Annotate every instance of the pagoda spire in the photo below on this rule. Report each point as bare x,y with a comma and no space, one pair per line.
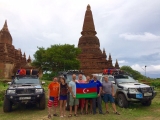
29,59
104,53
5,26
24,55
88,24
110,58
116,64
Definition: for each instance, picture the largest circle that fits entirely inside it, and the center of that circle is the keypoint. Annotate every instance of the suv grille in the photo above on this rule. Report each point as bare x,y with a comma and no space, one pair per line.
144,90
25,91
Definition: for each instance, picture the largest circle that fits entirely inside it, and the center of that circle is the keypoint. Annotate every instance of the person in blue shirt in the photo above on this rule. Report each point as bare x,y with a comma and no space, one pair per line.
98,98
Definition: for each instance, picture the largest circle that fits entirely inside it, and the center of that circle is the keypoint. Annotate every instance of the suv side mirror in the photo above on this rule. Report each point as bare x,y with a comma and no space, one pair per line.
8,83
43,82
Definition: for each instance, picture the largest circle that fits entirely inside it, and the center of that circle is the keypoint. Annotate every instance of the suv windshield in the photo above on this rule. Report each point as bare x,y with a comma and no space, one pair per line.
109,79
69,77
126,80
27,80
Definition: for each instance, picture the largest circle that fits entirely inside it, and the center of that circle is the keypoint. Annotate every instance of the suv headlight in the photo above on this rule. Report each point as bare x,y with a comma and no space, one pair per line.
39,90
133,90
11,91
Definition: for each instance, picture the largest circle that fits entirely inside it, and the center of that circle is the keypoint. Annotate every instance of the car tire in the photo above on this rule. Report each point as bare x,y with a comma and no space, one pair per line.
42,103
7,105
122,101
146,103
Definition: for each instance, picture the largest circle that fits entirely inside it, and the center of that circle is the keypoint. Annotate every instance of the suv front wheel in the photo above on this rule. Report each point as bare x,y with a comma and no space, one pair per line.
122,101
7,106
42,103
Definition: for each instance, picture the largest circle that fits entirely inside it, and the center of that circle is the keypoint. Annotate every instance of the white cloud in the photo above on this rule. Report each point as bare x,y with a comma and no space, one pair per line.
154,69
122,62
140,37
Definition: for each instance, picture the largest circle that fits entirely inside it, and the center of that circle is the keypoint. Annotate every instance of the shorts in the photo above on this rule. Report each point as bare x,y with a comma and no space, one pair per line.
82,102
108,97
53,101
73,101
63,97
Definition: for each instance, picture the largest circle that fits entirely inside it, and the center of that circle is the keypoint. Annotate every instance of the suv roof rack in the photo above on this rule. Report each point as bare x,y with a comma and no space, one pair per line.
115,72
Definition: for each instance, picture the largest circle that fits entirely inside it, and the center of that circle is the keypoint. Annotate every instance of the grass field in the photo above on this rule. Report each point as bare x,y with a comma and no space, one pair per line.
134,112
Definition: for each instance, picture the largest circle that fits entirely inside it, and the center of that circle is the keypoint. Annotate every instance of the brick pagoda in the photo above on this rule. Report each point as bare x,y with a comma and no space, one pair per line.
11,59
92,59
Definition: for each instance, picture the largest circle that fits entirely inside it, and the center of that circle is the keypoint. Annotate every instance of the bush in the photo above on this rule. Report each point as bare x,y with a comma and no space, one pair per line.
48,76
3,87
156,83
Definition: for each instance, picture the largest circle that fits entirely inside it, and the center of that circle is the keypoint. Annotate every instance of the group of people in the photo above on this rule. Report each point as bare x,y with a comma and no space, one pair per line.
58,94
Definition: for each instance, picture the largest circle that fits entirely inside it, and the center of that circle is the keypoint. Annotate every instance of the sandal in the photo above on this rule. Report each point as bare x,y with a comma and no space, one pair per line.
70,115
107,112
55,114
49,116
75,115
61,116
117,113
86,112
81,113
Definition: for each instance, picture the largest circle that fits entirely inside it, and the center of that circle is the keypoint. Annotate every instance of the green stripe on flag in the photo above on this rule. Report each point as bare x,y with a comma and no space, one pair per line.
88,95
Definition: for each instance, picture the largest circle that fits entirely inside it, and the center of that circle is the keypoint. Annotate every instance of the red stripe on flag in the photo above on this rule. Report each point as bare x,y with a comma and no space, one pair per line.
86,90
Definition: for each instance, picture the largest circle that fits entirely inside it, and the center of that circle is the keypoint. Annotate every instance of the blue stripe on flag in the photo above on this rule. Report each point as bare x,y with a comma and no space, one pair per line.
86,85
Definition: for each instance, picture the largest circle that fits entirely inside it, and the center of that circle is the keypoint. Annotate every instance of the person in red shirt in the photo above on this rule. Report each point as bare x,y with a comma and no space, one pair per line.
53,94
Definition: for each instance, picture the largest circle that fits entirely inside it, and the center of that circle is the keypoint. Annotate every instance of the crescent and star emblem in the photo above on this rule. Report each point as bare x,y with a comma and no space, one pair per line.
85,90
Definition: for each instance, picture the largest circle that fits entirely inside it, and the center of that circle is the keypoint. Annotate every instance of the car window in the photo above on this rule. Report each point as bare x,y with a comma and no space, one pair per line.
126,80
109,78
69,77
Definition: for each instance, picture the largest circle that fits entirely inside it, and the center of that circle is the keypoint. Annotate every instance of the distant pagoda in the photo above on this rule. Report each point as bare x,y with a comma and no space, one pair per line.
11,59
92,59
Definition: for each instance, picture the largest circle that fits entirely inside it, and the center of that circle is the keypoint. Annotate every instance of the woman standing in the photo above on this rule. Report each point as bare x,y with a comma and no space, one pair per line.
63,96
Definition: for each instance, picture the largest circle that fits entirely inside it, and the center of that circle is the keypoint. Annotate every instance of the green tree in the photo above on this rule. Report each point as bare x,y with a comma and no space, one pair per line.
136,75
57,58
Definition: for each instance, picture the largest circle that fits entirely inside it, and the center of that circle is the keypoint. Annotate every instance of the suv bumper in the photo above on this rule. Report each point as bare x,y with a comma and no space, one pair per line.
24,98
142,97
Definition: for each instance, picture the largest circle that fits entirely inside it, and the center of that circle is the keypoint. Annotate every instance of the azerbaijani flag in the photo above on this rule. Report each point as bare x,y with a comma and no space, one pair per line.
86,90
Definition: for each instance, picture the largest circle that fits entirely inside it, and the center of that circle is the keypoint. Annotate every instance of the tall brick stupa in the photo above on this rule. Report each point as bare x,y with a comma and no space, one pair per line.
11,59
92,59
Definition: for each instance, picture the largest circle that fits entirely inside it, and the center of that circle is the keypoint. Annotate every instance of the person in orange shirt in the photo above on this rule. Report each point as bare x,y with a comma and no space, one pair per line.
53,94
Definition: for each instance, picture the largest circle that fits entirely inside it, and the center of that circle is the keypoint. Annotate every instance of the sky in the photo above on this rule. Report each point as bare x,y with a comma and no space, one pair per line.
127,29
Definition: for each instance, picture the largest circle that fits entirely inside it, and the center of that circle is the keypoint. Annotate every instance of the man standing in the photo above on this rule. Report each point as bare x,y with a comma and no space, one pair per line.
98,98
88,100
82,100
108,90
53,92
72,97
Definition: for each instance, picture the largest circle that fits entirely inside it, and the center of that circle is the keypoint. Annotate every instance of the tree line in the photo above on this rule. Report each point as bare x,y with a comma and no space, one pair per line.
64,57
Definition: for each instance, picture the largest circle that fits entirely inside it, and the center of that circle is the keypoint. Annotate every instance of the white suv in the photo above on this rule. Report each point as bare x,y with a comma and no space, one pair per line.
129,90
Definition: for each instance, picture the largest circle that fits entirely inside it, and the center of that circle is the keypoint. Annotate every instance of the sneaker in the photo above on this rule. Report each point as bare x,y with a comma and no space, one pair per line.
101,113
107,112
